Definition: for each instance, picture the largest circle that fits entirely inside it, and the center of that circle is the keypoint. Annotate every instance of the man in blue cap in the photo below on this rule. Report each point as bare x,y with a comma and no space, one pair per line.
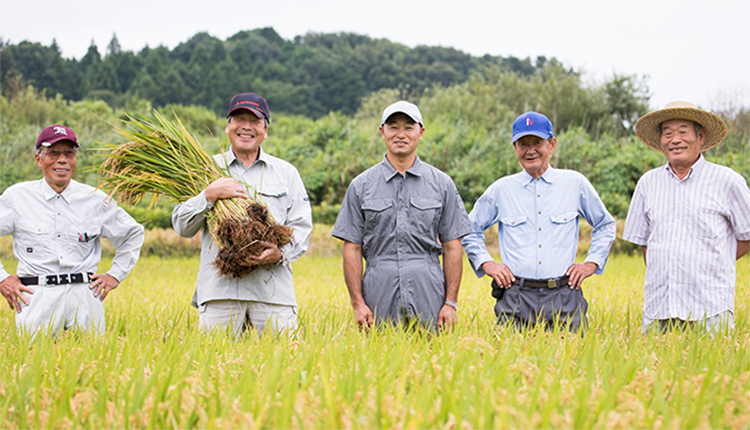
537,213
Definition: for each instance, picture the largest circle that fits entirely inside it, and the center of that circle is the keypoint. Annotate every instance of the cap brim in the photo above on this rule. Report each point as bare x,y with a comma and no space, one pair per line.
413,118
540,134
256,112
54,141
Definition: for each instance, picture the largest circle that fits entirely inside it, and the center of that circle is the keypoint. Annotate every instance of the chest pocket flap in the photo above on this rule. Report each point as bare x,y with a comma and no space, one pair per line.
564,217
424,204
512,221
377,205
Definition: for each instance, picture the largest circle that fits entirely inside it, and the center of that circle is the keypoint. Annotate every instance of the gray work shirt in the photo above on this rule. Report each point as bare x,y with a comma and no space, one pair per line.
398,219
280,186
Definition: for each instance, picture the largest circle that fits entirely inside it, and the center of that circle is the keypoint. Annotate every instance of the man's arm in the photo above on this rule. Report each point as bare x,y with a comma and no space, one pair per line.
643,248
188,217
353,277
452,269
12,289
743,247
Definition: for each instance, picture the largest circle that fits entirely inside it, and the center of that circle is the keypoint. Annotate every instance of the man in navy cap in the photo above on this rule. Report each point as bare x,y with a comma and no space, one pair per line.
537,213
392,216
265,297
57,225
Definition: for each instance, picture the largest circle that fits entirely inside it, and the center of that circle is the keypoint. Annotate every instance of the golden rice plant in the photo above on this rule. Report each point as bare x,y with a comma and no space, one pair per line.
164,159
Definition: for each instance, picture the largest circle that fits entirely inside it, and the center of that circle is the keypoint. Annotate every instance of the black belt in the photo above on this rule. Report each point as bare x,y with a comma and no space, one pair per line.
65,278
541,283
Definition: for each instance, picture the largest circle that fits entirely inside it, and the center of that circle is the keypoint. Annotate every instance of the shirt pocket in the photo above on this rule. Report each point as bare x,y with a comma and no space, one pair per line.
426,215
81,241
33,239
378,214
515,231
564,230
277,200
706,223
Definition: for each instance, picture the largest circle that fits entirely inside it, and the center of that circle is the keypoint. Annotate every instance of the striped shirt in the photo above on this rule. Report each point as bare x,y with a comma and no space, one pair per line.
691,228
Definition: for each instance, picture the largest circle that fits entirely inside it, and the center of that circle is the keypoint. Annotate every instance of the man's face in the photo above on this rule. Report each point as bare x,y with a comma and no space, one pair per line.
533,152
246,131
679,142
58,163
401,135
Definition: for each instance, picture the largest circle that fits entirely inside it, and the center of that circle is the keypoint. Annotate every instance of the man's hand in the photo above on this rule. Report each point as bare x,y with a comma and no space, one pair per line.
447,318
224,188
103,284
499,272
270,255
12,289
363,316
578,272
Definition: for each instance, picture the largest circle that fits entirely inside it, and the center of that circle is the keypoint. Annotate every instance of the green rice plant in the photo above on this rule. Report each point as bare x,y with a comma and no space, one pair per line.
154,368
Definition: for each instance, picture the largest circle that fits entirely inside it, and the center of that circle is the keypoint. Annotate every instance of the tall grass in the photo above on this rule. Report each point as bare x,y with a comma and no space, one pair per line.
155,369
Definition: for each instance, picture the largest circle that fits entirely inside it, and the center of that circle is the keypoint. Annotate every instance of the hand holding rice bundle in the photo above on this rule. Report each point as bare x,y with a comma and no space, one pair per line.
162,158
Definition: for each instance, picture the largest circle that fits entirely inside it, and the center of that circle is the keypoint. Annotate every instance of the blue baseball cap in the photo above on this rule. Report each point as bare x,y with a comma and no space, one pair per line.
532,123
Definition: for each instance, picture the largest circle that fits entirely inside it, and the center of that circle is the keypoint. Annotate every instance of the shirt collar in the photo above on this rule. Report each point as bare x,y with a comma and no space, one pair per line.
48,193
389,172
548,176
695,169
231,158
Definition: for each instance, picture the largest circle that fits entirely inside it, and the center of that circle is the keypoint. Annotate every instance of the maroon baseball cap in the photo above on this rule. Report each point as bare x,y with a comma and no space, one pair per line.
55,133
252,102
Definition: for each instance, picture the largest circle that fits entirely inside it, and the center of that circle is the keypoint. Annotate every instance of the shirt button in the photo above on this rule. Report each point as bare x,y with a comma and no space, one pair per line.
540,245
539,195
540,229
539,212
540,262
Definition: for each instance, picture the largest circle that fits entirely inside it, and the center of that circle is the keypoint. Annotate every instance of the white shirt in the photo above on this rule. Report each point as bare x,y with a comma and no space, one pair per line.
61,233
281,188
691,228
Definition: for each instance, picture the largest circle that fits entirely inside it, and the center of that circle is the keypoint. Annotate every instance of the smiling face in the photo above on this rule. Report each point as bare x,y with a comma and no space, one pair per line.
58,163
533,152
401,135
680,143
246,133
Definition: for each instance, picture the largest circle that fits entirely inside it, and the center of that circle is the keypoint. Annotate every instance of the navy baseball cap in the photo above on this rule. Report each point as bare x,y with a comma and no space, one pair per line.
252,102
532,123
55,133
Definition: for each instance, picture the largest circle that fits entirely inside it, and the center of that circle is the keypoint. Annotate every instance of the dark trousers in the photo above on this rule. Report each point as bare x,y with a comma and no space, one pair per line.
524,307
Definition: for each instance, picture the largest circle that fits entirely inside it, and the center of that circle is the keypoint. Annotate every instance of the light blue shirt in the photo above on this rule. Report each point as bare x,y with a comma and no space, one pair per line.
538,223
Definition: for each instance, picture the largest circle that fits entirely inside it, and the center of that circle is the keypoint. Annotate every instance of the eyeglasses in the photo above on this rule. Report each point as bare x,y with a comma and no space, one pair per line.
54,154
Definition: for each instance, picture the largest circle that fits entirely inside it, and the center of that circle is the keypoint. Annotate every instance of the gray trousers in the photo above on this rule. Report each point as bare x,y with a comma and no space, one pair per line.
524,307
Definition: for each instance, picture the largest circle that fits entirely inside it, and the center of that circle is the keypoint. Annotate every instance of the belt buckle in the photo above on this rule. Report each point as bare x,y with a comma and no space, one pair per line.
551,283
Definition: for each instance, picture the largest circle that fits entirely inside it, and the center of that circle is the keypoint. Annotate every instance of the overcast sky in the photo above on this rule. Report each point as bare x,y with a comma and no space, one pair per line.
690,50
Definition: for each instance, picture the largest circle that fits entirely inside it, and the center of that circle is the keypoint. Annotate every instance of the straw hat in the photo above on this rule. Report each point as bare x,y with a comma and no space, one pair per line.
647,127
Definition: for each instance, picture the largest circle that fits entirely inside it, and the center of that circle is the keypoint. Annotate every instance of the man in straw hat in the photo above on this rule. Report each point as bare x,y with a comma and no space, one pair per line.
692,220
392,216
57,225
264,299
537,213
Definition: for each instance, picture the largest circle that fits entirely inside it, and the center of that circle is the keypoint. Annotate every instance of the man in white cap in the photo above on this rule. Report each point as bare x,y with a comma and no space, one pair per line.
57,225
392,216
537,211
692,220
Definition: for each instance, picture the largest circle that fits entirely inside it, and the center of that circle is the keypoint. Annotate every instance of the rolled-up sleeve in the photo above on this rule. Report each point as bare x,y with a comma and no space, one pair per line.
189,217
604,226
482,216
126,235
299,219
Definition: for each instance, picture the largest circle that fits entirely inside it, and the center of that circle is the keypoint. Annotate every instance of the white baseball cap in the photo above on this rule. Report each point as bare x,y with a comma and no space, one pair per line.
409,109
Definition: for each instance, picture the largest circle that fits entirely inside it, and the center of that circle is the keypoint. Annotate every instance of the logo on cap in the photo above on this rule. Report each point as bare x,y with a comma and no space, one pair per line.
60,130
529,121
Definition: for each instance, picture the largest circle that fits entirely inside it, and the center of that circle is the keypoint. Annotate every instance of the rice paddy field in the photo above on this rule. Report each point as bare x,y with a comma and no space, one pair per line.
154,369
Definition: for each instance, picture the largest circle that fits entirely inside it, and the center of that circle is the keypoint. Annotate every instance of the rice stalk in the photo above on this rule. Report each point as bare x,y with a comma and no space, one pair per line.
164,159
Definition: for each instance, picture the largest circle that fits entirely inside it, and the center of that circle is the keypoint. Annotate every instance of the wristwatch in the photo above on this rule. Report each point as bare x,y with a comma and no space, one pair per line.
454,305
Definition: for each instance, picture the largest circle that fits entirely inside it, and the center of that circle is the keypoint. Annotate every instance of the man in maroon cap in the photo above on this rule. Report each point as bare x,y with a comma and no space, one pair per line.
57,225
263,299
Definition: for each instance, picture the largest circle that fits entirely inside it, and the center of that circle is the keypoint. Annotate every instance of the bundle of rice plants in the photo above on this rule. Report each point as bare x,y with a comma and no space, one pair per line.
163,158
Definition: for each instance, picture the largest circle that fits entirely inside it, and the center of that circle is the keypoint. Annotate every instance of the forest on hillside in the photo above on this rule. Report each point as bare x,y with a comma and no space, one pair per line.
326,93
